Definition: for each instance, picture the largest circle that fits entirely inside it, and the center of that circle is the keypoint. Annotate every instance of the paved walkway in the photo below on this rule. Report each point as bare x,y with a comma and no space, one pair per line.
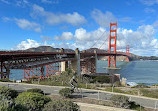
93,107
86,93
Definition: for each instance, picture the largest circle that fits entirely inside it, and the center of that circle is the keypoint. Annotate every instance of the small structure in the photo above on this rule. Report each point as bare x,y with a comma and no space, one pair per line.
18,81
116,77
123,81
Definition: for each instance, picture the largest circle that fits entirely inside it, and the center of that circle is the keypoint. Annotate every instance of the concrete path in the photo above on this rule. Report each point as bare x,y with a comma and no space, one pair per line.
86,93
93,107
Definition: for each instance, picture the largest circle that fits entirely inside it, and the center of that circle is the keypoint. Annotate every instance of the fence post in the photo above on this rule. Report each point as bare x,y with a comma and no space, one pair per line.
155,104
98,95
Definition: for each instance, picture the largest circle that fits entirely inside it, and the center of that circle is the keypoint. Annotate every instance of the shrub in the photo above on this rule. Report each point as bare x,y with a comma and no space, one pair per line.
120,101
101,79
61,105
5,104
8,92
66,92
18,107
32,101
135,106
36,90
141,86
5,80
9,105
69,71
117,84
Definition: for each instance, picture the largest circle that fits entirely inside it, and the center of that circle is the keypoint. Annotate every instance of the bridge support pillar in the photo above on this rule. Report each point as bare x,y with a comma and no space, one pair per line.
78,61
89,66
5,71
64,66
75,65
1,70
96,59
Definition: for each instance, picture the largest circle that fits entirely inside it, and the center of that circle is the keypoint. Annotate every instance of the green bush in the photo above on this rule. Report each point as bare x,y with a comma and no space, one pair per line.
141,86
114,90
66,92
136,107
8,92
117,84
4,105
32,101
61,105
120,101
5,80
69,71
9,105
36,90
101,79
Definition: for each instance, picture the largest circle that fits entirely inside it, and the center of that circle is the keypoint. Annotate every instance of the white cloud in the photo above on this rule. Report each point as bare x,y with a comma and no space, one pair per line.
50,1
149,10
46,1
67,36
25,24
29,43
155,24
139,38
103,19
6,19
149,2
74,19
22,3
46,38
125,19
82,35
5,1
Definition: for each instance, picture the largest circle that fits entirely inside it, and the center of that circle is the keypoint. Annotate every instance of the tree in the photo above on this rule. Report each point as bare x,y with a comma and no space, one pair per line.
8,92
66,92
101,79
61,105
9,105
120,101
35,90
32,101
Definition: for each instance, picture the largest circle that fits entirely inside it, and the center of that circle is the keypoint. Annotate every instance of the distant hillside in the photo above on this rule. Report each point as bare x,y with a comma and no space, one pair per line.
93,49
47,49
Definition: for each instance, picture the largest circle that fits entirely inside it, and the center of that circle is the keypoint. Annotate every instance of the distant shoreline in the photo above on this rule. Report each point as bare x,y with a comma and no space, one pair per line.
145,60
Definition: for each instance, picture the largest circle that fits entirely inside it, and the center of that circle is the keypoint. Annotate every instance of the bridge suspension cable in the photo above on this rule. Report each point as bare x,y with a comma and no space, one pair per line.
103,43
98,39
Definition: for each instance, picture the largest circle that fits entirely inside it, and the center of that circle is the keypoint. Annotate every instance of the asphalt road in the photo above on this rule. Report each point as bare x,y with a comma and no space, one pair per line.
86,93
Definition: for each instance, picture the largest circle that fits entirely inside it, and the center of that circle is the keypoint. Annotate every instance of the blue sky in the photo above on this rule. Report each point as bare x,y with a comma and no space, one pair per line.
79,23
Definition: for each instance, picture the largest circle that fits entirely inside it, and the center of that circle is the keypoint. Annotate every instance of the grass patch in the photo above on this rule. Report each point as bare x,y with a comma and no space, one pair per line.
5,80
114,90
149,93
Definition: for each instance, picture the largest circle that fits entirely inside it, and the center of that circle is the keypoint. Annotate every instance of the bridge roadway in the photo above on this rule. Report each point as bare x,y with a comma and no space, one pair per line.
24,60
86,93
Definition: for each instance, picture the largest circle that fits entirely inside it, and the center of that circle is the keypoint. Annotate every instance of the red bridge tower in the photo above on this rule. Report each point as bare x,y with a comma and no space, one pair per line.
112,44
